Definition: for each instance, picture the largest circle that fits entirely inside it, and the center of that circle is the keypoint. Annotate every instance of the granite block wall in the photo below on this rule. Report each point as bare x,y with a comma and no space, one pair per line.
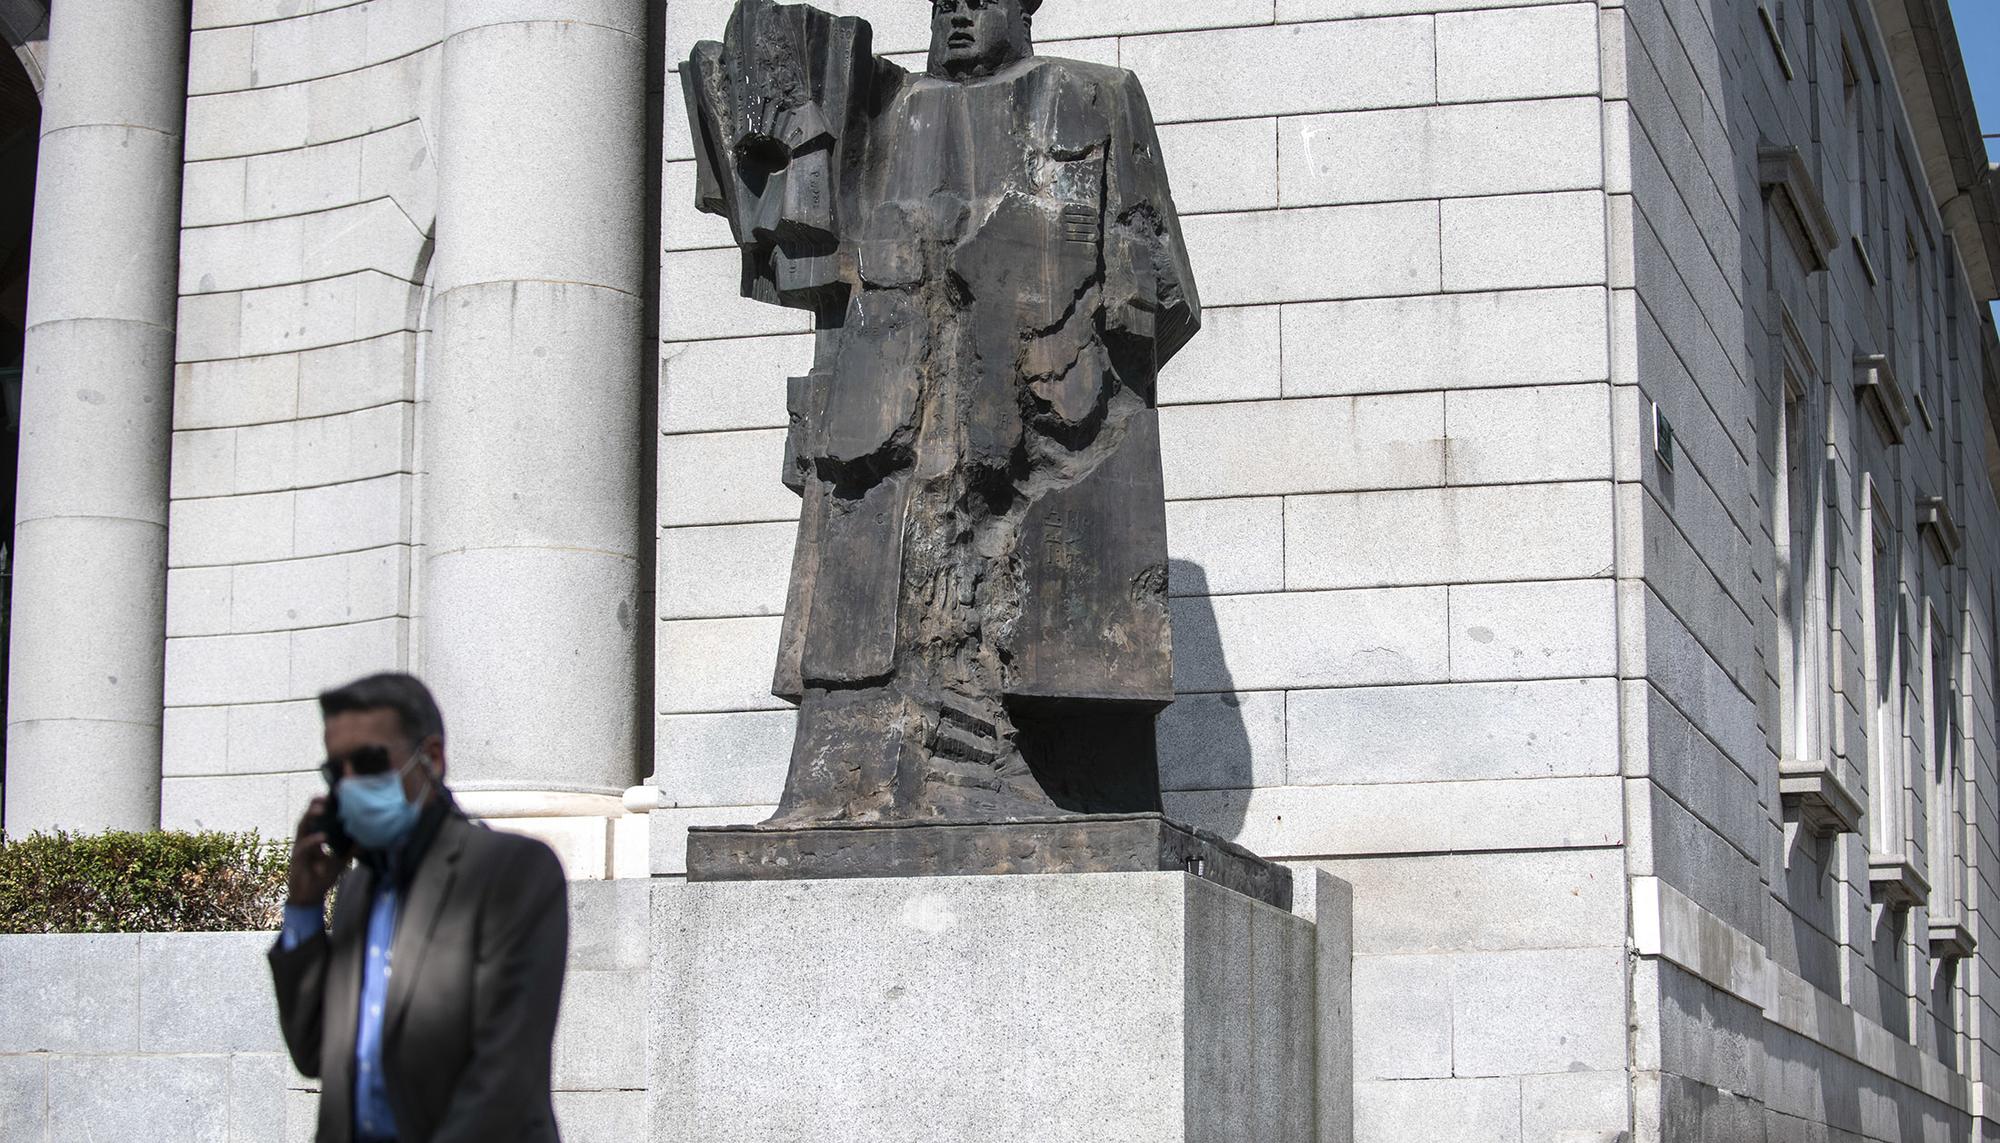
307,219
174,1036
1796,609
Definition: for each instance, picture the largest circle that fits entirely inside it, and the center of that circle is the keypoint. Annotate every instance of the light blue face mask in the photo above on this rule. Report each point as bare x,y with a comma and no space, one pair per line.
374,810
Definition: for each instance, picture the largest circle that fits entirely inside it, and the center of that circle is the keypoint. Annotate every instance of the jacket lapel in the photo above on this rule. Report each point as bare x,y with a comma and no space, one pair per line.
429,891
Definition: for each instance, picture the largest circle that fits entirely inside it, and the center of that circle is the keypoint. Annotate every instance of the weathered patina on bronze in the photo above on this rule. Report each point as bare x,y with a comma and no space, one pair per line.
977,629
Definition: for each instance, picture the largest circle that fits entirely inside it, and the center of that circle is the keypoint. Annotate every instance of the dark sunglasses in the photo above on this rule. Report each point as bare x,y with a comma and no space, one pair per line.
361,760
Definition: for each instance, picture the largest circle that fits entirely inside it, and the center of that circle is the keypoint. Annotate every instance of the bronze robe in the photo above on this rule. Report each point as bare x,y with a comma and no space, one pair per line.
998,274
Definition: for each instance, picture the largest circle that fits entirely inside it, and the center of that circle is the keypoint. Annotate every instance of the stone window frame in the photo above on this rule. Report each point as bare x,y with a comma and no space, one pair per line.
1805,520
1895,874
1775,18
1801,529
1945,753
1888,841
1867,211
1854,109
1949,938
1930,324
1906,320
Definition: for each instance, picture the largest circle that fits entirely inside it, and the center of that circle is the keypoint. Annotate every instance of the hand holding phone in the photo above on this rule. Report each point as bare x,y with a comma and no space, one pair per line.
329,827
319,852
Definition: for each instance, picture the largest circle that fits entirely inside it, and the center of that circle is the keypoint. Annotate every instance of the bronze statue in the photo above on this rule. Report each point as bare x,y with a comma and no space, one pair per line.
977,628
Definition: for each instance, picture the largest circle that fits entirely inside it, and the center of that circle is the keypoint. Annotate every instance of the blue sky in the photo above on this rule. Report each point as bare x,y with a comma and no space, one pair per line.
1979,38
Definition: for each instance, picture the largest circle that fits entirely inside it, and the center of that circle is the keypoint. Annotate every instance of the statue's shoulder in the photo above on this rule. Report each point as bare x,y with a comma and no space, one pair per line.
1091,84
1082,73
1045,77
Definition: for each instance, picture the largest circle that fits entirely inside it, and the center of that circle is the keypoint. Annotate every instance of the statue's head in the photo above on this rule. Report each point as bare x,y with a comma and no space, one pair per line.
971,38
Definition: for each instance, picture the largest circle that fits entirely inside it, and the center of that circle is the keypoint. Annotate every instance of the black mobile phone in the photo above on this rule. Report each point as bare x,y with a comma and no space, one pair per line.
329,825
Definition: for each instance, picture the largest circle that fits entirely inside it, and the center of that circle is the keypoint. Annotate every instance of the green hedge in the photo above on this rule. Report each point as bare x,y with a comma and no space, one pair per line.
141,882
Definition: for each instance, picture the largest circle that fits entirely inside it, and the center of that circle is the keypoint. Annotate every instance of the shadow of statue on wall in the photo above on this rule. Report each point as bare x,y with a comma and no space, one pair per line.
1206,762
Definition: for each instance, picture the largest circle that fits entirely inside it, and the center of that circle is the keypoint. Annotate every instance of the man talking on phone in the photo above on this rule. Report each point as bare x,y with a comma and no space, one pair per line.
427,1007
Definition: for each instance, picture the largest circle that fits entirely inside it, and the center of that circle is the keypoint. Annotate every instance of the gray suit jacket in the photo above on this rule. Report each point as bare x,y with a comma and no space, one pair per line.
478,970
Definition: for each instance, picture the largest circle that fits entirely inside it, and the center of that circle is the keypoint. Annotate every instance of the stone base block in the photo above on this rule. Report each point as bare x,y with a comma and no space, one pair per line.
1068,1008
595,836
1095,843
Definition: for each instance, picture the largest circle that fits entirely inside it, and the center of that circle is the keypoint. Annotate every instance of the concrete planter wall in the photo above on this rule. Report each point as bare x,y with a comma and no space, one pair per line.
140,1036
173,1037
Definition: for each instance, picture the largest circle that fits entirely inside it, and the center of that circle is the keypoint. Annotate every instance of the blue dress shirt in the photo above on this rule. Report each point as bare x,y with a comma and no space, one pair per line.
373,1119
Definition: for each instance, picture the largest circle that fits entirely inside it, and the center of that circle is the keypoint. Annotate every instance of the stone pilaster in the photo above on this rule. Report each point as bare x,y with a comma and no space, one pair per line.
89,591
531,605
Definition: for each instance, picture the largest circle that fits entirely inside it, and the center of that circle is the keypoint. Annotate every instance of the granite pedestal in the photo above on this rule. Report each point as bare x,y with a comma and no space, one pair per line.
1144,1007
1076,843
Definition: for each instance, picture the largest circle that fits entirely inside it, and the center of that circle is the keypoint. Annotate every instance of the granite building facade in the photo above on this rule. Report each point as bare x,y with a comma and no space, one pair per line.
1582,495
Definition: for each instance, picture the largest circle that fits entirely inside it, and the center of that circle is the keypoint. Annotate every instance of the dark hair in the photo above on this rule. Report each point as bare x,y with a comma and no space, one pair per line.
405,694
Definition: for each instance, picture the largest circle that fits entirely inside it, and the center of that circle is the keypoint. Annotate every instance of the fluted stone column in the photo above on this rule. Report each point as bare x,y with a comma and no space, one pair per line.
89,592
532,428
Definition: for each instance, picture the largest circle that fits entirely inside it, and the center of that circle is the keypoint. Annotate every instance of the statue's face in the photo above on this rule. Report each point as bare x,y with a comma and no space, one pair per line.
976,37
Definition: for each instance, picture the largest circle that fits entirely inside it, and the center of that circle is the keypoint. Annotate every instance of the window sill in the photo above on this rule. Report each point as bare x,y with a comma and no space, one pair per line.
1895,882
1867,261
1935,520
1785,178
1951,939
1875,381
1815,798
1777,39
